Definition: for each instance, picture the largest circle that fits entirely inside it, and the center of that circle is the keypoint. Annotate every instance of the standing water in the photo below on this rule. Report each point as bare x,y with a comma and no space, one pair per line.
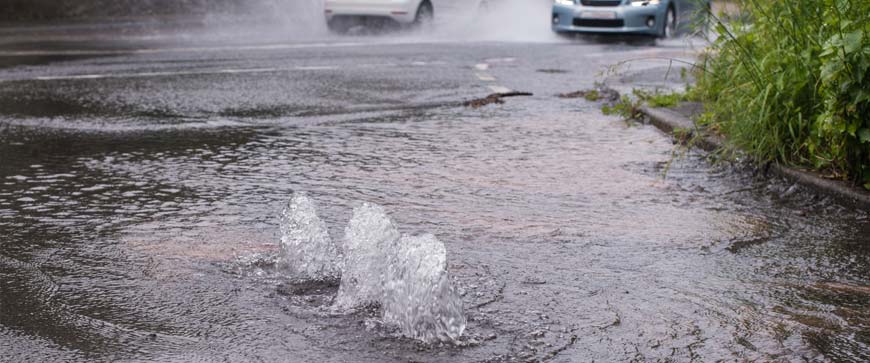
572,236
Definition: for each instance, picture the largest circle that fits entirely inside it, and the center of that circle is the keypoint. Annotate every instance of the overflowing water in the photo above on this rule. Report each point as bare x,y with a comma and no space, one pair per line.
418,295
405,275
497,20
307,251
370,238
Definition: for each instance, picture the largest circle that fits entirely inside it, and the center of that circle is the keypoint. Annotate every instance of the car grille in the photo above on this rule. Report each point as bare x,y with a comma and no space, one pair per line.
601,2
599,23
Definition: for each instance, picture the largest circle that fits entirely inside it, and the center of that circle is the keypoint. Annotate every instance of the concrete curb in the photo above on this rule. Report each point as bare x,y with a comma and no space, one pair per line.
668,120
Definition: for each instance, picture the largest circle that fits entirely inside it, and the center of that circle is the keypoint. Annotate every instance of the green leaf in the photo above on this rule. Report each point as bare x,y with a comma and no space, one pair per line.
830,69
864,135
852,41
827,51
867,186
845,23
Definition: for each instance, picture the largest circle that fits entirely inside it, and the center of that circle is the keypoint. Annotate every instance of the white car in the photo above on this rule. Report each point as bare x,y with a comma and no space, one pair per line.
342,15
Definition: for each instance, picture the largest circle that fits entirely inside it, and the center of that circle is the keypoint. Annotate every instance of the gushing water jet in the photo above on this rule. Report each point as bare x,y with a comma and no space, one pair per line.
307,251
370,238
405,275
418,296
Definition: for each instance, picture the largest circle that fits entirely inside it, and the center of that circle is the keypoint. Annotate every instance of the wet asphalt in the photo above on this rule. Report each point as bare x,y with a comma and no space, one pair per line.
140,181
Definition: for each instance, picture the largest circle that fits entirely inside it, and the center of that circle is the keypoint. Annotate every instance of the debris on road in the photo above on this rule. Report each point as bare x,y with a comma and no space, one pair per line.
495,98
600,93
552,71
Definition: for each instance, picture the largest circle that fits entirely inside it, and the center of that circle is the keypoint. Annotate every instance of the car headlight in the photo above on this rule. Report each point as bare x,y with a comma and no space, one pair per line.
564,2
645,2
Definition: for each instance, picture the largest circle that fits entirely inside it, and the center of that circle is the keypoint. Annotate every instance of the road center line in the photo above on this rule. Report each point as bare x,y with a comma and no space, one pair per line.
485,77
501,60
315,68
251,70
500,89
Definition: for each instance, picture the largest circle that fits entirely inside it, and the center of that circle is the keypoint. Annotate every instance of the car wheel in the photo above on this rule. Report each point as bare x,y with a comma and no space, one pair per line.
425,14
483,5
669,26
338,25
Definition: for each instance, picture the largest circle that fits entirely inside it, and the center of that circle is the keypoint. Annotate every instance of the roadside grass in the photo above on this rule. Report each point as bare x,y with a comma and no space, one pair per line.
661,99
628,107
789,82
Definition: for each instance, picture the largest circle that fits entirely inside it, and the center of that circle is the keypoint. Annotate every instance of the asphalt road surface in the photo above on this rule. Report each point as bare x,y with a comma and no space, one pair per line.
141,177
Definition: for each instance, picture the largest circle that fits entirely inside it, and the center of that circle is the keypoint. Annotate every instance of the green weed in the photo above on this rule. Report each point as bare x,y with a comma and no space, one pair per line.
790,82
592,95
625,107
660,99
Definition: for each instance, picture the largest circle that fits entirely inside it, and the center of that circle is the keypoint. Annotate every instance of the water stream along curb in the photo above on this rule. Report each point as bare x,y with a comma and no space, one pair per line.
669,120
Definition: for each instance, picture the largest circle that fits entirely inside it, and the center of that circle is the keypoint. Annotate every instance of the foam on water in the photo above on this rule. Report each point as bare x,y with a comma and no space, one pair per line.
418,295
370,239
306,249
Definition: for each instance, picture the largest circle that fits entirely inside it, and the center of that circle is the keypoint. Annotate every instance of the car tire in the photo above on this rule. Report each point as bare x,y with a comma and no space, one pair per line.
338,26
669,25
425,14
483,5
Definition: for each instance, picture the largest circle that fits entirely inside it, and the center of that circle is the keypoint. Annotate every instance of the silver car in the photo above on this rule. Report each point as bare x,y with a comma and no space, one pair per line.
399,11
659,18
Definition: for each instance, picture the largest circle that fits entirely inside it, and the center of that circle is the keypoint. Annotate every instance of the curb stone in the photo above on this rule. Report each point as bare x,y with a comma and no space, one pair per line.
669,120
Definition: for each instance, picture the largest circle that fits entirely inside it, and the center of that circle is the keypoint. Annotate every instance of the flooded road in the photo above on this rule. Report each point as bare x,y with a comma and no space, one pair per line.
140,194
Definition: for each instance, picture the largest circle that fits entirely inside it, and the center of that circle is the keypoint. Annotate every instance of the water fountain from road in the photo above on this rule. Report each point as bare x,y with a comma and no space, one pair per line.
405,275
307,251
370,239
418,295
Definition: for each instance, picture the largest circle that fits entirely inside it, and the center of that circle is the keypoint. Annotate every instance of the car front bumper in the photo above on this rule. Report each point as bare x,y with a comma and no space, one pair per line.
626,19
402,11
